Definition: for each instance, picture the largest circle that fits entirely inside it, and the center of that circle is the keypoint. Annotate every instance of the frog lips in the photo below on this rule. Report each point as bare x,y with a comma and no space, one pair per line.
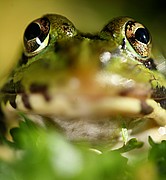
62,105
90,101
40,100
104,94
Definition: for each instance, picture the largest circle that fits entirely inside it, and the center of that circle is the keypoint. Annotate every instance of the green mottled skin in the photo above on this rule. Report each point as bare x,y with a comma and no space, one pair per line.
78,56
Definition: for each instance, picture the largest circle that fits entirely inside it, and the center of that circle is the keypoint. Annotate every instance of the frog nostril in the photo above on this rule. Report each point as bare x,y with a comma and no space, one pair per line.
142,35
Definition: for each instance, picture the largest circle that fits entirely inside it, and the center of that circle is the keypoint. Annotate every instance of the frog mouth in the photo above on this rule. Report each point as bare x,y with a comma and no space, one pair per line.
104,97
79,106
127,103
75,105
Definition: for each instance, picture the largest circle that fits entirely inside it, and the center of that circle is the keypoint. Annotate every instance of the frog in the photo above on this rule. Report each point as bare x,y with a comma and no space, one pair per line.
89,86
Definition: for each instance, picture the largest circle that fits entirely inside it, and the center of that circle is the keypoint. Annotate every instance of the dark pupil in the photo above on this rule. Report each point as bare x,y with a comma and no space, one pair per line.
142,35
32,31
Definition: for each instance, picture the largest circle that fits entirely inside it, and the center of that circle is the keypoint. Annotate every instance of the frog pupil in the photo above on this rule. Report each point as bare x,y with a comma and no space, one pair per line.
142,35
32,31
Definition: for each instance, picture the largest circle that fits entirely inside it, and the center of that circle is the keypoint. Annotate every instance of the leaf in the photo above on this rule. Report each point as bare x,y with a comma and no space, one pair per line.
130,145
157,154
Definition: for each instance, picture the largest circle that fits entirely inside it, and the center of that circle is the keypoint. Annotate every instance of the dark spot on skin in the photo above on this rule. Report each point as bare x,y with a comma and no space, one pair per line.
145,109
159,95
149,63
12,88
13,103
130,24
90,36
66,24
56,47
26,102
42,89
24,59
3,128
123,43
11,98
67,28
163,103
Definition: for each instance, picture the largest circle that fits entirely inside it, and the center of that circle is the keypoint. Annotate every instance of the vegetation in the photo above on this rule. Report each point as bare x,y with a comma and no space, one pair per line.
37,153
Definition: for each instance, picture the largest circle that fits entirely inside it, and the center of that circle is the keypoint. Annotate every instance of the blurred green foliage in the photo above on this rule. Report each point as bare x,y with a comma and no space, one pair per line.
40,153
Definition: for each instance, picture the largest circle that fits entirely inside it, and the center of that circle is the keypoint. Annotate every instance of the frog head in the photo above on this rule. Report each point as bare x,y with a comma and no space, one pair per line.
91,78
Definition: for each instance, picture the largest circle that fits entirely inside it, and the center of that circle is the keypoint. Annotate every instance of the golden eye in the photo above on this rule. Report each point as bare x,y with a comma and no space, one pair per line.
36,36
139,38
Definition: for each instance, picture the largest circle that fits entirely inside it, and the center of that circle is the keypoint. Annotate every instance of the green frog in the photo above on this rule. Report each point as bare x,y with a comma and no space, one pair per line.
90,86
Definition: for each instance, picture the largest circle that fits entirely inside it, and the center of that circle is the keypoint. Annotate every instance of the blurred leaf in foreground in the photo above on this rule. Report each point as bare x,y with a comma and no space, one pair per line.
44,154
157,154
39,153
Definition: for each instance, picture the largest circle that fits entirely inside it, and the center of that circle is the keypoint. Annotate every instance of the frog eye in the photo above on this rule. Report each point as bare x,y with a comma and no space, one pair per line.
138,37
36,36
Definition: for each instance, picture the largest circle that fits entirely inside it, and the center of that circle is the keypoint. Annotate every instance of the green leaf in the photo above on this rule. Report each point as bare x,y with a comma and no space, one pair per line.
157,154
130,145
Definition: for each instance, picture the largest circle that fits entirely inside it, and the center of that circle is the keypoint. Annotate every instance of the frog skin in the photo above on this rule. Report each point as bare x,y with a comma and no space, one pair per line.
88,85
